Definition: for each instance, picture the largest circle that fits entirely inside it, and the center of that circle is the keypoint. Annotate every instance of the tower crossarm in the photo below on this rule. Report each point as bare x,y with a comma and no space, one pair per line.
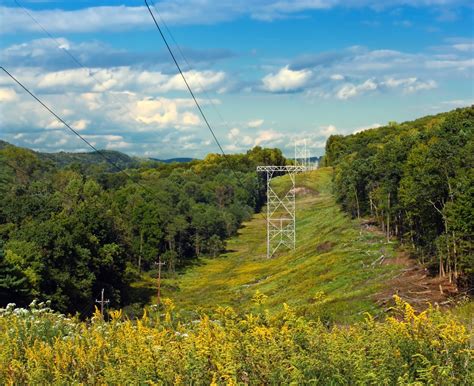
286,168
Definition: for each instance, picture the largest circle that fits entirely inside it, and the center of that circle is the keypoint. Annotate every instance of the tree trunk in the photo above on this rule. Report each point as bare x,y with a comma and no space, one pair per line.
357,202
388,217
141,252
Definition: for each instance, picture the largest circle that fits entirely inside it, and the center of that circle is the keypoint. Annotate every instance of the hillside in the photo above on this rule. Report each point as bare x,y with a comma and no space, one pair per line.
334,273
415,180
122,160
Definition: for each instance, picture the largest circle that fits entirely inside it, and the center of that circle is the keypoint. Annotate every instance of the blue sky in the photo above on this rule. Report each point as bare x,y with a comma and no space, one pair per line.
267,73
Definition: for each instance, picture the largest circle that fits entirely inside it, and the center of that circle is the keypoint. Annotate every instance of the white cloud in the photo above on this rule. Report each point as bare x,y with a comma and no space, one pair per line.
419,86
80,124
117,79
164,112
363,128
337,77
267,137
462,64
326,131
464,47
407,85
120,18
198,81
286,80
255,123
7,95
120,145
350,90
233,133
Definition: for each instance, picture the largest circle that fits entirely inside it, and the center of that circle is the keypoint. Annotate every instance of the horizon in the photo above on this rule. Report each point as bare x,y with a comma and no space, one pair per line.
268,67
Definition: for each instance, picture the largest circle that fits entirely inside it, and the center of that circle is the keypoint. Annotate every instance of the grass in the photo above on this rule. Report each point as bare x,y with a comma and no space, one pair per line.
329,275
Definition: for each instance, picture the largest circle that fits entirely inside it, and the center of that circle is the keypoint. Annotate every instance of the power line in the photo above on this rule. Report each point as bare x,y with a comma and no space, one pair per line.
194,98
185,81
115,165
190,67
78,62
192,95
59,45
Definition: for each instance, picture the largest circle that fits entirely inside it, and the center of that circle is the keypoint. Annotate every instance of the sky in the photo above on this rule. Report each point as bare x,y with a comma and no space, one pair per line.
267,73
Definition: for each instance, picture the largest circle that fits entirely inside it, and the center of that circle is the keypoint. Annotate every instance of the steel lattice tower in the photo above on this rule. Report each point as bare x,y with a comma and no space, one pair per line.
281,209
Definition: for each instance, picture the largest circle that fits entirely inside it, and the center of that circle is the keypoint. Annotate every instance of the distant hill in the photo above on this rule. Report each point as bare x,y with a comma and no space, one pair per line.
62,159
171,160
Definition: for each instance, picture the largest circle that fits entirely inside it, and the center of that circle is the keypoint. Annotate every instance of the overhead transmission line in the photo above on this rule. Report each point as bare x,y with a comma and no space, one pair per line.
194,97
107,159
224,122
78,62
60,46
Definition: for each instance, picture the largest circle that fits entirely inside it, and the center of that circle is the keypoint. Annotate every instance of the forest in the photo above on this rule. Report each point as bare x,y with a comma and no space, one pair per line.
416,181
72,225
69,229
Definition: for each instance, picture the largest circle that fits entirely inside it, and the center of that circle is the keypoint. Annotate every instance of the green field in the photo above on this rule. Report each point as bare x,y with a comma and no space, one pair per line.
329,275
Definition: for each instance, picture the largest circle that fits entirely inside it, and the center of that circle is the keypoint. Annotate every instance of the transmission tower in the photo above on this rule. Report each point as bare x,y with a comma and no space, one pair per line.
281,216
301,154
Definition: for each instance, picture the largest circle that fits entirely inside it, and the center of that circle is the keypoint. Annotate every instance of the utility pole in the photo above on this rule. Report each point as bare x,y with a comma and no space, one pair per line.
159,263
102,302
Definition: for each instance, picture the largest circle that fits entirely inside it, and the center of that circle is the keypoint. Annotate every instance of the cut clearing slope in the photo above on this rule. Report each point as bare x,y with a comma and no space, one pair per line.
334,272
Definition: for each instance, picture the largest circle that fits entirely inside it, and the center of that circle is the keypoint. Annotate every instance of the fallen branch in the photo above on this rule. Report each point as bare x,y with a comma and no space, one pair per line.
381,259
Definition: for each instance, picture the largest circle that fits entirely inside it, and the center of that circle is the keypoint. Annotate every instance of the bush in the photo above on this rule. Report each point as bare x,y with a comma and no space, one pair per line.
40,346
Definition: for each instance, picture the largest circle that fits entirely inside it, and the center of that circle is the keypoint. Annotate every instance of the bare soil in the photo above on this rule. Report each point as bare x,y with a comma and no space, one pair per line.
415,285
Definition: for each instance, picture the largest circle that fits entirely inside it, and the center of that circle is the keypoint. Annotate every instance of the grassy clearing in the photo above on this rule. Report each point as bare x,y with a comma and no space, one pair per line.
329,275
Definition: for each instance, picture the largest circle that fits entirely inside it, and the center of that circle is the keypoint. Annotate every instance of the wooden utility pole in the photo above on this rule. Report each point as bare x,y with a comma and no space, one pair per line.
159,263
102,302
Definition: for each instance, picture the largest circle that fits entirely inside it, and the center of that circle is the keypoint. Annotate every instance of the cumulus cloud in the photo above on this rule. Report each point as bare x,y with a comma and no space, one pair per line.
118,79
286,80
350,90
50,55
233,133
407,85
80,124
326,131
120,18
7,95
267,137
255,123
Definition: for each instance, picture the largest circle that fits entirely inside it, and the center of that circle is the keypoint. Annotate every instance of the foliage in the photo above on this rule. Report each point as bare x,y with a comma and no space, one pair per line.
68,232
43,347
416,180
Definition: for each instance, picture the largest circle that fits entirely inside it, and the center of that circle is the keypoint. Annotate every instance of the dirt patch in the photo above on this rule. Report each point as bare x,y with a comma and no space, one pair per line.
325,247
303,191
415,285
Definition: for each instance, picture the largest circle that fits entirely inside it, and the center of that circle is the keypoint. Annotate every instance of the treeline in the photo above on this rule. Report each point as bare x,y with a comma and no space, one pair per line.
66,233
416,180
